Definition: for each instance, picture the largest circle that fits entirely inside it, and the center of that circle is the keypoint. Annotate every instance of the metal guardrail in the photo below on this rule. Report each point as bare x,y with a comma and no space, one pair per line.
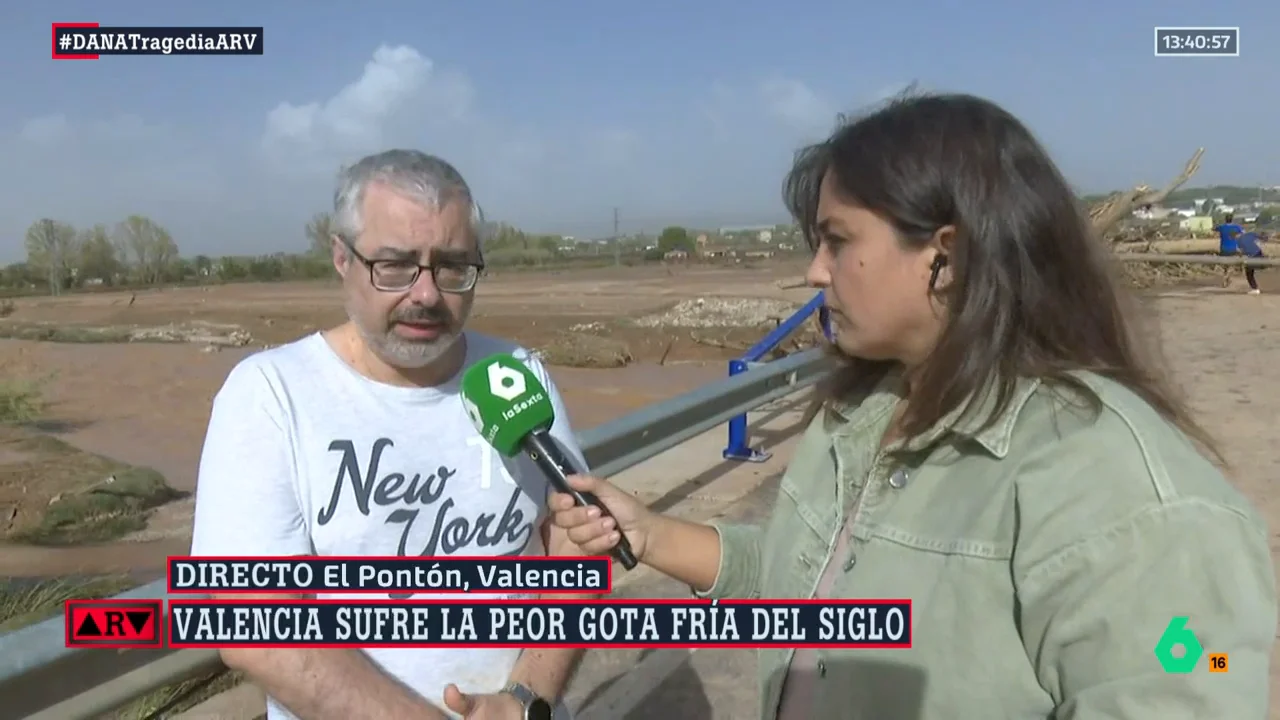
739,446
40,678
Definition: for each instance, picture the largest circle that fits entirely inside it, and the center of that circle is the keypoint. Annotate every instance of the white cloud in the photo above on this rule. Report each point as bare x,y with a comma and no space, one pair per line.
222,194
362,115
222,191
795,104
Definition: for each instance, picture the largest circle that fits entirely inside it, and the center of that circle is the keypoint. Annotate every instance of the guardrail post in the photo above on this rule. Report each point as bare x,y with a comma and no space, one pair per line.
739,447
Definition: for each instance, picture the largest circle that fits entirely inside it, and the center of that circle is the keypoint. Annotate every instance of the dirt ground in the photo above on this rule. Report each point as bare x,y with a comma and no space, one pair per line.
528,307
147,403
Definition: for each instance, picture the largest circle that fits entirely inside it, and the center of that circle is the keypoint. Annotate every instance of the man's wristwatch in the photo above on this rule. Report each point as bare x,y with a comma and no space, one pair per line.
535,708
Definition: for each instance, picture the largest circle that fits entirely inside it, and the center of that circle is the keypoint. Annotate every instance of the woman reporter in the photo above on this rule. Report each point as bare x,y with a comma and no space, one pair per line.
992,445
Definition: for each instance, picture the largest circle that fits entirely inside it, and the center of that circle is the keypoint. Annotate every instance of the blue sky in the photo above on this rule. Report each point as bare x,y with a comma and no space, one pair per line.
557,112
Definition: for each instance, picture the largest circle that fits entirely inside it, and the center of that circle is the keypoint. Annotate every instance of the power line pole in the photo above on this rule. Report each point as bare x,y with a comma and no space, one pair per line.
617,241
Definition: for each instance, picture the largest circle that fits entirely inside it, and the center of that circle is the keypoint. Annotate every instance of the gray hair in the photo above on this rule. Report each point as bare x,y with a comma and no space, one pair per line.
426,178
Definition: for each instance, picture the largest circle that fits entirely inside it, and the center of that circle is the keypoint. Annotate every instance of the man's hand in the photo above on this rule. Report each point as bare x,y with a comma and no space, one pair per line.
490,706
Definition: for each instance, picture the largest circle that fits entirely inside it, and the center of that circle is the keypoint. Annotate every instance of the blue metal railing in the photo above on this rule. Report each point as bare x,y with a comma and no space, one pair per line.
739,447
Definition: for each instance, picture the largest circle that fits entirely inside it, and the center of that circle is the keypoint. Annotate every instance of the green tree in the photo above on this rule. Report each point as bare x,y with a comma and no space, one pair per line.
266,268
18,275
501,236
675,238
305,266
149,247
50,245
203,265
98,256
549,244
183,269
231,269
1266,217
320,235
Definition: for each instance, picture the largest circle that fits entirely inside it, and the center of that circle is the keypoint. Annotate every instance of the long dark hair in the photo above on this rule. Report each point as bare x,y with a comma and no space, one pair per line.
1033,292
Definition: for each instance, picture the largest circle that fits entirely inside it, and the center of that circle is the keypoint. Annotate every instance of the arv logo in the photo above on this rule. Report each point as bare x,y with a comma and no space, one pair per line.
506,383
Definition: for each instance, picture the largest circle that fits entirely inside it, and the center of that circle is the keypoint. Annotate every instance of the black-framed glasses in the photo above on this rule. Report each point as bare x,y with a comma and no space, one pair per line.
395,275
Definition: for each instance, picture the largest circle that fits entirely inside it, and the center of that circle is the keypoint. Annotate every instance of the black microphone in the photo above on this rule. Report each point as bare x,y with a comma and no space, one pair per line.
545,452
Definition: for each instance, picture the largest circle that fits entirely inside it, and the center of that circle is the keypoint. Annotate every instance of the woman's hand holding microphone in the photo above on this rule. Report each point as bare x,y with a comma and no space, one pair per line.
685,551
594,532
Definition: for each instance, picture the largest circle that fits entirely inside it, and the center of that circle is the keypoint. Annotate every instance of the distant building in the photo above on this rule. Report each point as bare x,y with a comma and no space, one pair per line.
745,229
1153,213
1197,224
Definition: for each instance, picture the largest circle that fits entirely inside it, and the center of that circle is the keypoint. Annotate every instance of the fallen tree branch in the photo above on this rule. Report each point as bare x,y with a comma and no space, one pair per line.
722,344
1108,213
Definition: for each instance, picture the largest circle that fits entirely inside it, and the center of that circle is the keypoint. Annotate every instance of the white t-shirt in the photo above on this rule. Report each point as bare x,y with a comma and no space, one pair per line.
304,456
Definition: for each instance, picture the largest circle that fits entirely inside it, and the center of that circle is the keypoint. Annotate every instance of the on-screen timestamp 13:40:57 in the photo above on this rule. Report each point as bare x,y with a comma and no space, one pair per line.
1197,41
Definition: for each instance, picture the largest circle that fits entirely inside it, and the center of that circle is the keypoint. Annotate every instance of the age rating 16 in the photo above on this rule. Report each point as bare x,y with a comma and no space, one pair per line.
1197,42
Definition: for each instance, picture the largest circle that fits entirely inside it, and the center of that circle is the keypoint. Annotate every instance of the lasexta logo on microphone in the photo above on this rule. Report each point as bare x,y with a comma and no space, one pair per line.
509,384
505,401
506,383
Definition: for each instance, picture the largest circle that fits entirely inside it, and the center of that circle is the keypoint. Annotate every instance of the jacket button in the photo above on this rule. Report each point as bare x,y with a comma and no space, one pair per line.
898,479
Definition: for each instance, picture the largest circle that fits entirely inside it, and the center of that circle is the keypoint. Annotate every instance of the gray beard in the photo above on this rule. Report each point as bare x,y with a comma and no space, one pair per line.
401,353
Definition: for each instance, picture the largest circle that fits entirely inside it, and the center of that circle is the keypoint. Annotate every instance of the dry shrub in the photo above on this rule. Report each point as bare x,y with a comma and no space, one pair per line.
21,393
21,401
1148,275
104,511
586,350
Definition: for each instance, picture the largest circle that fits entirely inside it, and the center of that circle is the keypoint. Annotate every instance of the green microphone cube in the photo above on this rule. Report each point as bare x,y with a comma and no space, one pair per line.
506,402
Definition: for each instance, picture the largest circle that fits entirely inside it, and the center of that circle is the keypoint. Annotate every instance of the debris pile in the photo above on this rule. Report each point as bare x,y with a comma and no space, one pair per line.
195,331
590,327
722,312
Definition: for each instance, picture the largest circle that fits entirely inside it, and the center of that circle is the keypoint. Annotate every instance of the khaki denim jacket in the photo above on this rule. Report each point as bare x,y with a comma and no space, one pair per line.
1045,556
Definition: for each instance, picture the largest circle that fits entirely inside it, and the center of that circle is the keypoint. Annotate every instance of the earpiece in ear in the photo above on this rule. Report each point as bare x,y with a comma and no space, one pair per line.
939,262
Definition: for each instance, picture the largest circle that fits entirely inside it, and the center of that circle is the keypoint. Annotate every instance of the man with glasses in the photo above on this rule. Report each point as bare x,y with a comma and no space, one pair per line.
354,441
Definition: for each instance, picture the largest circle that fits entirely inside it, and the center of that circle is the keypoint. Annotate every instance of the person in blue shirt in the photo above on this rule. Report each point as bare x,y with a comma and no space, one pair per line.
1231,241
1250,247
1227,233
